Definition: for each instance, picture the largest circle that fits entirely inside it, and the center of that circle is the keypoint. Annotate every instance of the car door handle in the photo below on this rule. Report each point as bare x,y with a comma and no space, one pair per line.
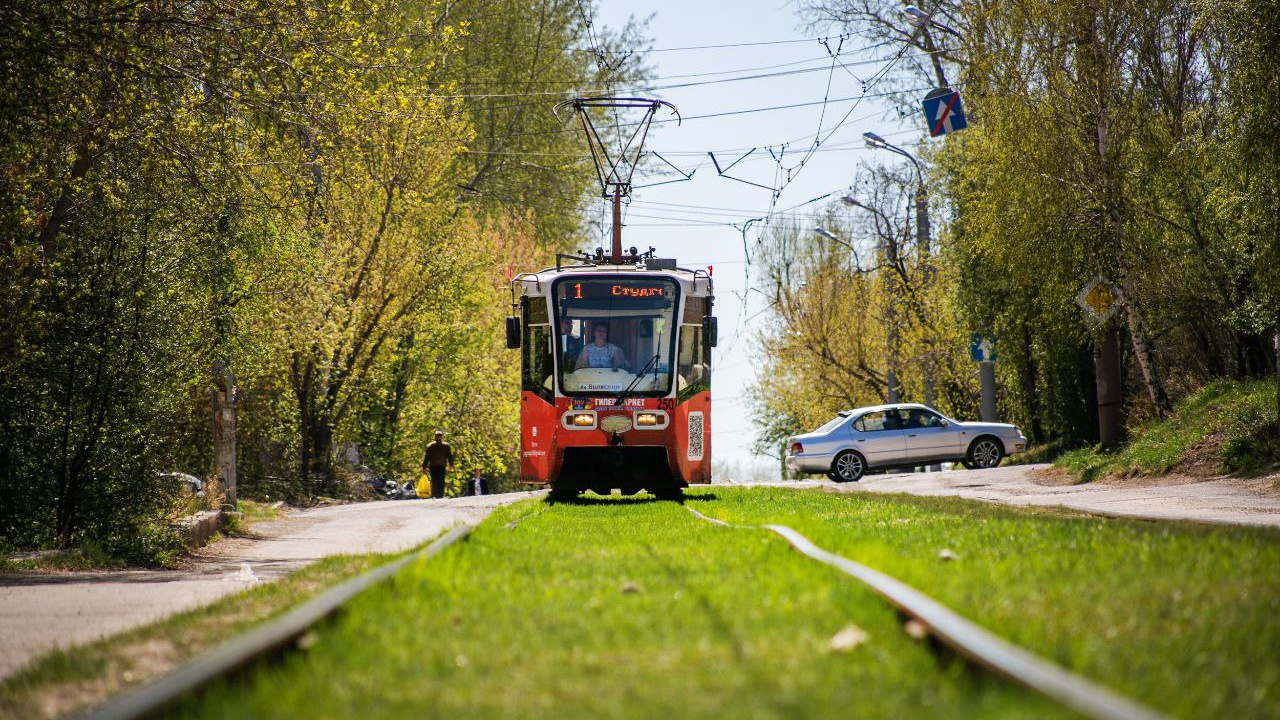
911,435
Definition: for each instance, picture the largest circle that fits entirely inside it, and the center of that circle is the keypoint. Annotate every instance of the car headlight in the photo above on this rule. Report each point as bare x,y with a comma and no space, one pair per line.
646,419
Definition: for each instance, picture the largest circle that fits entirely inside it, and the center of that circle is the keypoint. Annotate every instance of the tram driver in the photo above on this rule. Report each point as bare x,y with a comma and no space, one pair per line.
600,353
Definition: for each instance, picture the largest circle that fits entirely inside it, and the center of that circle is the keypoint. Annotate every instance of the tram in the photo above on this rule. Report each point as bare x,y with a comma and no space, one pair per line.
615,371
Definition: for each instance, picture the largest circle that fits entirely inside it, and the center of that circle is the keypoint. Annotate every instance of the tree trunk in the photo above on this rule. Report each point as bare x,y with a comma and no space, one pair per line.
1146,358
1114,228
1030,394
1276,344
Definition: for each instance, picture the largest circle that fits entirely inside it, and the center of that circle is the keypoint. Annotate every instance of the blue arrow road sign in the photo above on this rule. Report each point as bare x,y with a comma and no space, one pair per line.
943,112
982,349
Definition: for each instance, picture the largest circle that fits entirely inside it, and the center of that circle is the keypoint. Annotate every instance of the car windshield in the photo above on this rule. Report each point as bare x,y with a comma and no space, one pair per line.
615,335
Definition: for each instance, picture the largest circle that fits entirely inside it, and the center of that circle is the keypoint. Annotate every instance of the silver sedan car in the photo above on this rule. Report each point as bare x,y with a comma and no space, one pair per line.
899,436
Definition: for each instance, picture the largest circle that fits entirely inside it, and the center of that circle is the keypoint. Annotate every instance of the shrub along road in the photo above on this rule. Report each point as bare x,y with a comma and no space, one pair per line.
40,612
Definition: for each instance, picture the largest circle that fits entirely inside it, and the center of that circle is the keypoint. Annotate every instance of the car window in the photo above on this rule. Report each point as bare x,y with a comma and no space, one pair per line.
918,418
877,421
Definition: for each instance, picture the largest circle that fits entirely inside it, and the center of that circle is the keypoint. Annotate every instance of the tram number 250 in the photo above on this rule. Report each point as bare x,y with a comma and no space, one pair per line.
667,404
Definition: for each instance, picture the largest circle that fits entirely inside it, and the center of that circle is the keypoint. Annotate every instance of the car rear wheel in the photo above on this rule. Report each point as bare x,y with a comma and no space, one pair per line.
985,452
848,467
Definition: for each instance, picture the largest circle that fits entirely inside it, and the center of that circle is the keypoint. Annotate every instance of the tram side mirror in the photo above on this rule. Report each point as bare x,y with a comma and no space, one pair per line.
710,331
513,332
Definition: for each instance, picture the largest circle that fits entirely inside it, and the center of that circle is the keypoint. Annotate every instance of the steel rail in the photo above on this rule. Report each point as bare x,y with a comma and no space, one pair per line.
979,645
275,635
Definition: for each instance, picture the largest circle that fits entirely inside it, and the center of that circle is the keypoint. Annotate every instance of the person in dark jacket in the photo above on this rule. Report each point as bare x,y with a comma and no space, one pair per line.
436,462
477,484
570,345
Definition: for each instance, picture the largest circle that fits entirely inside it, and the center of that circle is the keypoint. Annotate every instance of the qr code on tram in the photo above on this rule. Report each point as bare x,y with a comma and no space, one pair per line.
695,436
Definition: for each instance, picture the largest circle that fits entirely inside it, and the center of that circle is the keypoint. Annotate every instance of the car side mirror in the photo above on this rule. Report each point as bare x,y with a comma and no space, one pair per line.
710,331
944,423
513,332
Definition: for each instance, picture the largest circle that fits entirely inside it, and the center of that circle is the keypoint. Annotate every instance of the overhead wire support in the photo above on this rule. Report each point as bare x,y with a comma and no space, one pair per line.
615,173
684,176
724,171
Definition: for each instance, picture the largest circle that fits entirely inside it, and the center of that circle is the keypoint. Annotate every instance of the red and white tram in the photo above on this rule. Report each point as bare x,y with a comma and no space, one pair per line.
615,374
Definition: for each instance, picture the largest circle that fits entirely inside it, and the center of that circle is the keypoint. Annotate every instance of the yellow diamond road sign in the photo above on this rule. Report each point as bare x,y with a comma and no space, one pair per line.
1098,299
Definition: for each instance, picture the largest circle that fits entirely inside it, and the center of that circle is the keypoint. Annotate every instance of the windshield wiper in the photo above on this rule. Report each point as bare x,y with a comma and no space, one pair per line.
639,376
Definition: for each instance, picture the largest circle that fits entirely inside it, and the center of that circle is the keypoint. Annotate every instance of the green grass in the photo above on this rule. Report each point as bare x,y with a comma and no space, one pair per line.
87,557
1185,618
1242,413
616,609
63,682
249,512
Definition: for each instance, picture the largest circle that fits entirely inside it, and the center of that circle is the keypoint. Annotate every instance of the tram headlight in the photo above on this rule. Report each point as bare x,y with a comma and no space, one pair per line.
584,420
647,419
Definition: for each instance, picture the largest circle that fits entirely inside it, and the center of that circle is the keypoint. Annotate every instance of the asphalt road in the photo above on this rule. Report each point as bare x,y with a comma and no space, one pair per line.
1220,500
41,612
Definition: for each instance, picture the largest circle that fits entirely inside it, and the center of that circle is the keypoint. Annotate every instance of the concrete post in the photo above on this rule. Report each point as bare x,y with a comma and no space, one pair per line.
987,377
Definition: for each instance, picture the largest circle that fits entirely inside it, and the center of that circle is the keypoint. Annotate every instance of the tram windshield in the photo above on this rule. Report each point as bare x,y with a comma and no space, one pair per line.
615,334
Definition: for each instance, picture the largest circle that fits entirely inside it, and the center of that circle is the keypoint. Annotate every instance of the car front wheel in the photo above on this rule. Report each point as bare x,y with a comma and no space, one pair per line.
984,453
848,467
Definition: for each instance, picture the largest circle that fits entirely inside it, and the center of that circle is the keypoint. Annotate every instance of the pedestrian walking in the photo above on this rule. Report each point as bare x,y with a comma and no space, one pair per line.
477,484
436,461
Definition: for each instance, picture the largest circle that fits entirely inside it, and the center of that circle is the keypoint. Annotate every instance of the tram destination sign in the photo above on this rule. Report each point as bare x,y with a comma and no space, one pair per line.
618,291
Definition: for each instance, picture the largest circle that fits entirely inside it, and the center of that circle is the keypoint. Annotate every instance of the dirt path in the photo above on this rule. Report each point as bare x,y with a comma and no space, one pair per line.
1223,500
41,612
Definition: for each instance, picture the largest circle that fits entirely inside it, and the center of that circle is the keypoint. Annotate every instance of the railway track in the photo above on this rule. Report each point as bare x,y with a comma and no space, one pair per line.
982,648
276,636
969,640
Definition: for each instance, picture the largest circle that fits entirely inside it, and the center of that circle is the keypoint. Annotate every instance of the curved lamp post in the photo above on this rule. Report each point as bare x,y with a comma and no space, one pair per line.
876,142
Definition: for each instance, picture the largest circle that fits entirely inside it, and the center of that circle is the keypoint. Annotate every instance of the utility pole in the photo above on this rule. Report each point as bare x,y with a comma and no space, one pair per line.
1106,373
987,383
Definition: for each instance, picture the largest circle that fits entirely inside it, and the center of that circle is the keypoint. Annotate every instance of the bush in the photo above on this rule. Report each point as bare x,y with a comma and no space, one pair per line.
1250,443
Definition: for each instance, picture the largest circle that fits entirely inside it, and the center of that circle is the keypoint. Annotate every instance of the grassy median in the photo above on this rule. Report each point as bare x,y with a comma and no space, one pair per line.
1185,618
617,609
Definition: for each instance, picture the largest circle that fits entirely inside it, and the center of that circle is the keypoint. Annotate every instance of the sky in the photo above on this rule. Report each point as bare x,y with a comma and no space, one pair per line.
703,45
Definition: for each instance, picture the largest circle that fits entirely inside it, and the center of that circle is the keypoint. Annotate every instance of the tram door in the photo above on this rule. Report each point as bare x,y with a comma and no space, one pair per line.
537,399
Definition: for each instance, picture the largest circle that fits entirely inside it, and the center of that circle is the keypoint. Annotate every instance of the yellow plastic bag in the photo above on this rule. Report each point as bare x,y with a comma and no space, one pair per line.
424,486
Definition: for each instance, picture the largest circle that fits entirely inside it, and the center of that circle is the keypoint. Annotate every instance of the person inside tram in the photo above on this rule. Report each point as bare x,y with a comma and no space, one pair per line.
601,353
570,345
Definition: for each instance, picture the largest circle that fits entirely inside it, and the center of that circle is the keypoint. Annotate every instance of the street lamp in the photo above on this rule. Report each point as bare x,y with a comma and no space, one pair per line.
921,20
876,142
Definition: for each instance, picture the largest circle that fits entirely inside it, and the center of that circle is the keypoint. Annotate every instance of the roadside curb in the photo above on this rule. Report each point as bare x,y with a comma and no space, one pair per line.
196,530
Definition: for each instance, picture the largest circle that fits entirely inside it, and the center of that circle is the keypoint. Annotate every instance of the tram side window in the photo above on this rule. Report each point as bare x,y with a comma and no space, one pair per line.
535,366
694,371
